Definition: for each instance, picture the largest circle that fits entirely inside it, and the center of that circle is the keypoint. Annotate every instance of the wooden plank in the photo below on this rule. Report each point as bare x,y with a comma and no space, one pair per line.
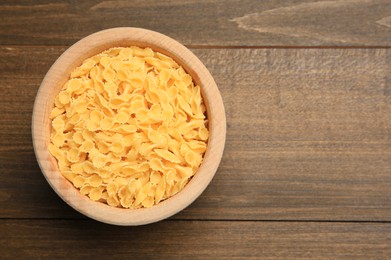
308,135
201,240
207,22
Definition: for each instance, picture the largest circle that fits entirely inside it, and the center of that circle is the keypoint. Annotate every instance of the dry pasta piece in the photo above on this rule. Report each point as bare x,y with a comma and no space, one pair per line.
184,105
94,180
203,133
167,155
122,117
112,189
129,128
86,146
155,178
96,193
57,152
64,97
58,124
137,51
197,146
104,196
117,147
185,172
78,137
106,123
148,202
73,155
77,168
160,190
85,190
56,112
113,201
142,194
78,181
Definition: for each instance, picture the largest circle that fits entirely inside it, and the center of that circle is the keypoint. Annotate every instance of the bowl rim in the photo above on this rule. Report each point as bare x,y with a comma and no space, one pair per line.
55,78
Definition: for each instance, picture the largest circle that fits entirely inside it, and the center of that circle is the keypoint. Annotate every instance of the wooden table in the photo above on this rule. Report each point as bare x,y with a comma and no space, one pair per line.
306,171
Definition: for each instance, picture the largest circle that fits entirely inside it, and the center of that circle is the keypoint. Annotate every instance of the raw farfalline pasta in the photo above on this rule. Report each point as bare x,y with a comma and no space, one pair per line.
129,128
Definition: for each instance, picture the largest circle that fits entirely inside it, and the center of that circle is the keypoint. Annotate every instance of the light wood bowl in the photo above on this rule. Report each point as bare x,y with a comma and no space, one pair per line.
57,76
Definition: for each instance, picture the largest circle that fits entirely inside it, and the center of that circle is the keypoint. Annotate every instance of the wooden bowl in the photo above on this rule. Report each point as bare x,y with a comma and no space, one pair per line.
57,76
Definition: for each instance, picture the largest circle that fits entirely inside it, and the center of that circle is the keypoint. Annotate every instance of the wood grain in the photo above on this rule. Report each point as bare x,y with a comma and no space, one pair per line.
308,135
308,153
203,23
194,239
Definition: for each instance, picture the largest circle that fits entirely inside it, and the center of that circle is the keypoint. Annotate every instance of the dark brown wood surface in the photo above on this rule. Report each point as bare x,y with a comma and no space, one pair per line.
308,135
195,239
204,23
306,171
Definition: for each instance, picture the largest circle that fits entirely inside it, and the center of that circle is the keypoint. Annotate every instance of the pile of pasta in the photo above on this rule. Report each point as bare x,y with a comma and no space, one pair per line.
129,128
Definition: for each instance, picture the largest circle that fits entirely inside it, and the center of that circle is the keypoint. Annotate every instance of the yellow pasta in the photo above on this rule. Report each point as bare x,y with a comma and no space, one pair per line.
129,128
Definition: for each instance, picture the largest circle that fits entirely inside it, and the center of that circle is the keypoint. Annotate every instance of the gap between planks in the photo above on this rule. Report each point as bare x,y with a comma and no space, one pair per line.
191,46
222,220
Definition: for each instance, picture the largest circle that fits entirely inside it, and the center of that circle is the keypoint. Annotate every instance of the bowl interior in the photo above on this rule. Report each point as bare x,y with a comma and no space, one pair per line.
58,75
